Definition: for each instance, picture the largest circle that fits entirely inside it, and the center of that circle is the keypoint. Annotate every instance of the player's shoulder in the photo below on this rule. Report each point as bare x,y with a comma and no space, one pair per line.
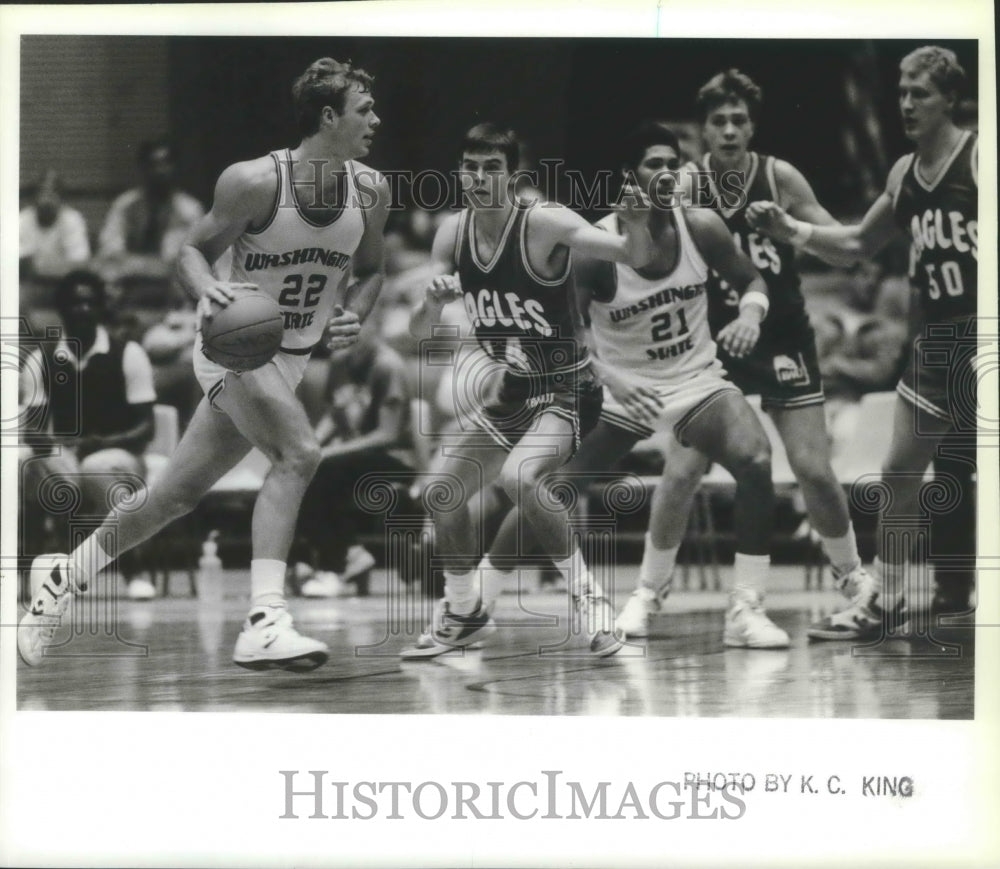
446,235
701,219
369,177
552,217
249,181
897,173
785,172
260,172
366,174
448,226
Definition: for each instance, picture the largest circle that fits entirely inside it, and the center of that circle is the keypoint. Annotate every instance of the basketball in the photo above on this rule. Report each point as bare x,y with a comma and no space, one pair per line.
245,334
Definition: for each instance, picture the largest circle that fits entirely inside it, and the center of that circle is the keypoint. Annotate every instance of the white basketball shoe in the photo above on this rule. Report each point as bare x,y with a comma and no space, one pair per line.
269,641
51,596
634,618
748,626
605,637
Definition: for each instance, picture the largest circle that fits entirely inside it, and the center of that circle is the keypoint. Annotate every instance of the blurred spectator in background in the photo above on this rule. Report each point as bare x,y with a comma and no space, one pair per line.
107,406
146,226
53,236
367,428
170,347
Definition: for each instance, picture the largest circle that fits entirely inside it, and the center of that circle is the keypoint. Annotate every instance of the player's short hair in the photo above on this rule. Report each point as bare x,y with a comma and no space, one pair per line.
65,290
325,83
488,136
727,87
941,65
643,137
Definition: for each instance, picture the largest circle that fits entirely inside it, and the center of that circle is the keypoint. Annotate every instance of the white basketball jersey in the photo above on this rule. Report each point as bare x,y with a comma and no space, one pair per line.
657,329
300,263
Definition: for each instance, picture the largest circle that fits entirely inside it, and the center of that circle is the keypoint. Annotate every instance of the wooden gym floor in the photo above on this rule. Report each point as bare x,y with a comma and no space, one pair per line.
173,654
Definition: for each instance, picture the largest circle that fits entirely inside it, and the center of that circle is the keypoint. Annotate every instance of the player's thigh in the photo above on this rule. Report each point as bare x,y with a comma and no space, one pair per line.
727,429
210,446
804,434
461,469
263,407
548,444
599,451
915,438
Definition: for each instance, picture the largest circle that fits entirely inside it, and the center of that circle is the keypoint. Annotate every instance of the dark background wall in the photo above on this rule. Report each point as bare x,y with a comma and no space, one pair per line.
87,101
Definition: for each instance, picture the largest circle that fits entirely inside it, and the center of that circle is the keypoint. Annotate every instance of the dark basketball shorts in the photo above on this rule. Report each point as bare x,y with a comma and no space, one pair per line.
510,417
783,370
940,376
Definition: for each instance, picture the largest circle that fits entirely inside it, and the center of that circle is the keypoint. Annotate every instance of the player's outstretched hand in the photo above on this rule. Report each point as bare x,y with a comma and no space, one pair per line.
633,206
740,336
771,219
342,329
443,289
220,292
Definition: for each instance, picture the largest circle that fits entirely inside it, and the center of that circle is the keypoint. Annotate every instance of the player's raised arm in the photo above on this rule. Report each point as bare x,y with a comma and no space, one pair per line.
244,195
838,245
798,198
715,243
635,248
444,286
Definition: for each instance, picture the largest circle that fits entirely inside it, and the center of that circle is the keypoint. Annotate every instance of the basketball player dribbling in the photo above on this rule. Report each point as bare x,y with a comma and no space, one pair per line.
783,367
302,224
509,262
932,195
654,353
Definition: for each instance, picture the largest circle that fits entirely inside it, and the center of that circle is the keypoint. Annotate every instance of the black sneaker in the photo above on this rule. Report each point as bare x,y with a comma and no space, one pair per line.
457,631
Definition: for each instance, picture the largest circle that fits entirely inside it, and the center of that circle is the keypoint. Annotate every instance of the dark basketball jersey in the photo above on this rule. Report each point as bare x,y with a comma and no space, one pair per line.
519,318
941,217
775,261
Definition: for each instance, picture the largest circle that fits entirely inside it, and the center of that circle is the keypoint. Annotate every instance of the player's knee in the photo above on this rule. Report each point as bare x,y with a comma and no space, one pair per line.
683,475
753,460
301,457
444,496
519,485
811,467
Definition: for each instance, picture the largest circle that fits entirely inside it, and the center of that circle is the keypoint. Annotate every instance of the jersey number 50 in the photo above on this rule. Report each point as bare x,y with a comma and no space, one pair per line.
951,274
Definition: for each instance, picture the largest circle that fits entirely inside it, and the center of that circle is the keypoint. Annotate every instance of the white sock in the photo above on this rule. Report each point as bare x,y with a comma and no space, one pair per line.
494,581
461,592
576,573
750,571
842,551
87,560
657,566
267,582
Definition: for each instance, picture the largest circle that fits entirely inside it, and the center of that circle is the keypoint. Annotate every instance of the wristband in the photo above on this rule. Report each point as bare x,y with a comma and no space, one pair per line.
755,297
803,232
